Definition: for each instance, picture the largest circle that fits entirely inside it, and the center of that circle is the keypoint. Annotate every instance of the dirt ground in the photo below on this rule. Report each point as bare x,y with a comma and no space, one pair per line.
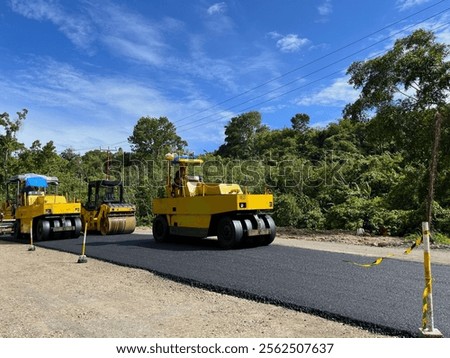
46,293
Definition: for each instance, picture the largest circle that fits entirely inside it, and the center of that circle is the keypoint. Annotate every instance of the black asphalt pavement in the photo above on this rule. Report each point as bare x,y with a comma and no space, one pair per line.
386,298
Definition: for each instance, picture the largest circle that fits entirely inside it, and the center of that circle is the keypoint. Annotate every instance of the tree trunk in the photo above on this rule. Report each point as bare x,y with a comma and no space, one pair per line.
433,166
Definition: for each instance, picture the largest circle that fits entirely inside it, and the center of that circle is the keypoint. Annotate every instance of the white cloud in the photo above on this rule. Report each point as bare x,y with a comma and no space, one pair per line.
274,35
132,49
326,8
438,25
218,8
129,35
77,29
407,4
69,100
443,35
217,20
125,33
337,94
69,106
291,43
85,111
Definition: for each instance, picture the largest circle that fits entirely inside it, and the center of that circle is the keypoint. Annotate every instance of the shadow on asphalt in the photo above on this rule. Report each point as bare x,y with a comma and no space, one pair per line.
174,244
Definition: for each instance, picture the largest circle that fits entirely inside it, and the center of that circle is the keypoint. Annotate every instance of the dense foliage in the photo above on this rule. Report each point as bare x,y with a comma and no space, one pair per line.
370,169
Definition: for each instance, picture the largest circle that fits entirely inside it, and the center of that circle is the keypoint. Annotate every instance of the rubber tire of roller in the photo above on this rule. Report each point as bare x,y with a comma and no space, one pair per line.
160,229
42,231
229,233
270,224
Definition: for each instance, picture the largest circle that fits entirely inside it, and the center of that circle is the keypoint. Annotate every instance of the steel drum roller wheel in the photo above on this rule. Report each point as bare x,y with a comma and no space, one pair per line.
104,226
117,225
130,225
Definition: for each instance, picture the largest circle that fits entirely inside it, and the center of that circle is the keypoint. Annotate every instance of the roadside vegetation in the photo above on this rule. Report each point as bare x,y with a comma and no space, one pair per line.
379,167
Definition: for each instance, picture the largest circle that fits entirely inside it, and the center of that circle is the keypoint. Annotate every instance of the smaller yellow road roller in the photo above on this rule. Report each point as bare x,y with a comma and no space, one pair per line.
193,208
106,211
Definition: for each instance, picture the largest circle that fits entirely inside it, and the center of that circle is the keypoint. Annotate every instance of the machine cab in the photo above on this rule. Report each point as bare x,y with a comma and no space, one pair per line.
104,191
179,182
25,189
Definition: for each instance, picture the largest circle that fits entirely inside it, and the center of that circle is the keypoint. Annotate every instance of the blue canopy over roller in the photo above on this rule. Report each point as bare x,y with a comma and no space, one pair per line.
31,179
36,181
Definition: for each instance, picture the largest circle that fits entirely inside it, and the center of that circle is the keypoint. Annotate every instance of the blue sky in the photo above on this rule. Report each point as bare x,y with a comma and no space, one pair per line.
87,70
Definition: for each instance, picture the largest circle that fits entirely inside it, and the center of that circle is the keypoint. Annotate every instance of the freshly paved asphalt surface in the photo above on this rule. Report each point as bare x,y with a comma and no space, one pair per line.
386,298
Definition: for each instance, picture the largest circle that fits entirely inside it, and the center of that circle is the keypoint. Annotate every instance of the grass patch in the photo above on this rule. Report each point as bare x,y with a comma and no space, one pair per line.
436,237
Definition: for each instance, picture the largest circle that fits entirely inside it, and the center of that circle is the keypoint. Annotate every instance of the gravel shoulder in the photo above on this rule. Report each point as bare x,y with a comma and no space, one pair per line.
46,293
364,245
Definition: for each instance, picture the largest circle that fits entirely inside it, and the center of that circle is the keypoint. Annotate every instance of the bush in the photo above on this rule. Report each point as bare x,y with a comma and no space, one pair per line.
349,215
287,211
399,222
302,212
311,215
441,220
370,215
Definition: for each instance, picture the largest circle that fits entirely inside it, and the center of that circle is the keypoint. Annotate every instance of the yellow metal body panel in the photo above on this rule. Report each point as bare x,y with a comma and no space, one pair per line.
89,218
201,189
196,211
191,221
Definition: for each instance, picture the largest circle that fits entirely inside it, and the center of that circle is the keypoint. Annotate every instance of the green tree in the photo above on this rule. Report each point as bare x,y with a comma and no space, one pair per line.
240,135
41,159
274,144
412,78
9,143
94,165
154,137
69,154
300,122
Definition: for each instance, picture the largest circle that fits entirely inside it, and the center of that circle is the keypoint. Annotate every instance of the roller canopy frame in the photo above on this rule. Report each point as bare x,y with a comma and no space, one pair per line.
32,179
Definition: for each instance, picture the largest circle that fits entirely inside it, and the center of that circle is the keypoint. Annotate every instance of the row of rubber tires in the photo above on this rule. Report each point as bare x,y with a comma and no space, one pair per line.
231,232
43,228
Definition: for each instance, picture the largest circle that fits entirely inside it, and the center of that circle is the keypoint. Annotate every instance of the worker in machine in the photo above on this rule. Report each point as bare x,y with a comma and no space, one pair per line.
26,190
176,186
177,179
109,195
30,189
13,206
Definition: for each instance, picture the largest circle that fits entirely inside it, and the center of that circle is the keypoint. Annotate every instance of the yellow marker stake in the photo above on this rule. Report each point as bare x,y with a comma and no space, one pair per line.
82,259
427,329
31,248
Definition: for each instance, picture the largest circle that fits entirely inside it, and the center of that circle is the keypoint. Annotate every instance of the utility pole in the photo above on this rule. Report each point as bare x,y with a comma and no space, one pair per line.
108,158
433,165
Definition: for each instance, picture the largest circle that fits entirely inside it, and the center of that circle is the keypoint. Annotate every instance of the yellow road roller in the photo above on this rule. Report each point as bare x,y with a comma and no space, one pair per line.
33,206
106,211
193,208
